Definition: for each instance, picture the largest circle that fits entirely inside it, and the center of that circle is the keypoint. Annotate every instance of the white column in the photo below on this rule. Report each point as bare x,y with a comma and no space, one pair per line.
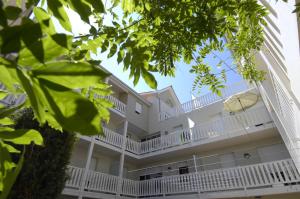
87,167
195,163
122,156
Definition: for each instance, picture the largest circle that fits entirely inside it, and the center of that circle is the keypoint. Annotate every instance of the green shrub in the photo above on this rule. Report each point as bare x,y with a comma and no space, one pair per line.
43,174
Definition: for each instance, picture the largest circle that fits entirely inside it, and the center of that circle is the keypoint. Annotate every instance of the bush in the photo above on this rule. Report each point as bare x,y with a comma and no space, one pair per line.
43,174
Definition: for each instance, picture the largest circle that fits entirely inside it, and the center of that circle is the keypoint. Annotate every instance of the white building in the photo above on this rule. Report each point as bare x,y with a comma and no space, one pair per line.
158,148
155,147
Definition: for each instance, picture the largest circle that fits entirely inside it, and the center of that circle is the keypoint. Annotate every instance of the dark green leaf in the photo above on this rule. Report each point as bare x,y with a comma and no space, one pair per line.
21,136
70,74
71,110
59,12
112,51
97,5
82,8
10,177
149,79
54,46
31,34
45,19
12,12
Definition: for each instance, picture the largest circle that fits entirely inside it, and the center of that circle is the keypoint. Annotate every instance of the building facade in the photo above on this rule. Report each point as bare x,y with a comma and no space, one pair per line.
156,147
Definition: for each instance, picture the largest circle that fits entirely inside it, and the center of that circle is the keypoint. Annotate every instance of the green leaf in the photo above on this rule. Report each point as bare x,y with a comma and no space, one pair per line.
10,148
128,5
112,51
31,34
136,75
6,121
82,8
45,19
3,93
7,180
147,6
120,56
71,110
3,18
149,79
21,136
8,75
36,97
9,110
12,12
58,10
6,165
127,60
70,74
97,5
10,39
53,46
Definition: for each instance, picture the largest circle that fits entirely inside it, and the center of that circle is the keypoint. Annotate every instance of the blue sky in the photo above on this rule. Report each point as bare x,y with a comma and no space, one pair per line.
183,80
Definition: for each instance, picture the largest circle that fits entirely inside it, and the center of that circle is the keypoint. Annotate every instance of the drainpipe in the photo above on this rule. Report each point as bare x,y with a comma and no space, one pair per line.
87,166
121,166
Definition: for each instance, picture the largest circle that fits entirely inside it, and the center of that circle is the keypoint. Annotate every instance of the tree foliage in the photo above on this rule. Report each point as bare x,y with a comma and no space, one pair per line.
43,174
149,36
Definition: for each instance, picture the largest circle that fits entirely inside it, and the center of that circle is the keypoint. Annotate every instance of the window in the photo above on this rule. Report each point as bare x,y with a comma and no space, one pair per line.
151,176
138,108
183,170
151,137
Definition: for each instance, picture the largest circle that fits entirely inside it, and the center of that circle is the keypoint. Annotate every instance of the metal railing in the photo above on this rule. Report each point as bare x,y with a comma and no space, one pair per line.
204,100
111,137
262,175
118,105
224,127
75,177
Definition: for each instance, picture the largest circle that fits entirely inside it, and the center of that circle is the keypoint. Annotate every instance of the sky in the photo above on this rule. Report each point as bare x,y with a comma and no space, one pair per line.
181,83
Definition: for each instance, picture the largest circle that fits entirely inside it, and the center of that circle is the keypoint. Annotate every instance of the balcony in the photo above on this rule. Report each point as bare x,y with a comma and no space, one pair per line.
242,123
241,180
203,101
110,137
119,106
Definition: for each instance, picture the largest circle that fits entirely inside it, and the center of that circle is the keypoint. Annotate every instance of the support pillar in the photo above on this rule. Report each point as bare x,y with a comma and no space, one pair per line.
87,167
195,163
122,156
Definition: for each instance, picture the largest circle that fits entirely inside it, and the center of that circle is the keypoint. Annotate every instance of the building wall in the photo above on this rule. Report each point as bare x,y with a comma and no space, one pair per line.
280,57
139,120
104,164
79,155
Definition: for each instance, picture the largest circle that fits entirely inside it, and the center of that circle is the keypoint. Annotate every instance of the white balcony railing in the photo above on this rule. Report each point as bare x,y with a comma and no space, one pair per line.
204,100
111,137
97,181
285,112
133,146
263,175
226,127
75,177
118,105
248,121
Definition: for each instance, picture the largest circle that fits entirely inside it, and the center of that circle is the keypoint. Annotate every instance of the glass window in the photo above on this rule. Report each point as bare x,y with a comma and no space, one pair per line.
138,108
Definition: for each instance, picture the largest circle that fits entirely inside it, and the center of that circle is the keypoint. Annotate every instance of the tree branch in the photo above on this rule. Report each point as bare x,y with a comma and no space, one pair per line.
101,33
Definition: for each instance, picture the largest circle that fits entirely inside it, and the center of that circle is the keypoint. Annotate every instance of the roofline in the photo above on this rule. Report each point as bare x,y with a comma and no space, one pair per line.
169,88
